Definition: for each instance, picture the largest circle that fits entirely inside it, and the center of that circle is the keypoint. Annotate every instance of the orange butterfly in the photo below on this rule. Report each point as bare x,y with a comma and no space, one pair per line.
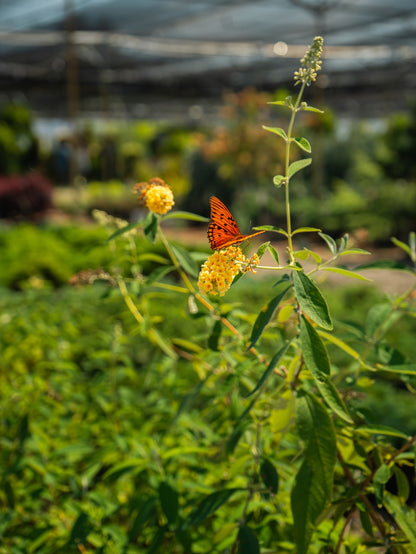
223,230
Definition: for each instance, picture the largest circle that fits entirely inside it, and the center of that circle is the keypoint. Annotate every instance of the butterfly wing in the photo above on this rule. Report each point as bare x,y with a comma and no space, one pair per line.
223,230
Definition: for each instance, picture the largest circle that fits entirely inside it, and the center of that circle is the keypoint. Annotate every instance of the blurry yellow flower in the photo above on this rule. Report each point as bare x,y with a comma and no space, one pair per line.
219,270
159,200
156,195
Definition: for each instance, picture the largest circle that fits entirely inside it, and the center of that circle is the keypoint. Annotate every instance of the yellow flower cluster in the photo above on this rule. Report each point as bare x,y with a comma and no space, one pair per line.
156,195
218,272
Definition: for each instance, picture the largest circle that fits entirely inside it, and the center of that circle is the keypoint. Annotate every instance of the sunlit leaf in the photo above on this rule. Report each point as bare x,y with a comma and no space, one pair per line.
185,215
311,300
303,144
306,230
298,165
332,245
276,131
403,515
345,272
382,430
279,180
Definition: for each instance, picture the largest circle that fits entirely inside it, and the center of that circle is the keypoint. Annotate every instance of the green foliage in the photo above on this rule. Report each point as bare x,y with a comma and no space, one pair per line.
187,423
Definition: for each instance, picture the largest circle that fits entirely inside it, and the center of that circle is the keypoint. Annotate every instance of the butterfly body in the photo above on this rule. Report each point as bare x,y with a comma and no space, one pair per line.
223,230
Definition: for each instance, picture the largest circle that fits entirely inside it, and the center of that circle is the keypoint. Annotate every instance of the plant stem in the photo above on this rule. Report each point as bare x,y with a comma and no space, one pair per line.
287,163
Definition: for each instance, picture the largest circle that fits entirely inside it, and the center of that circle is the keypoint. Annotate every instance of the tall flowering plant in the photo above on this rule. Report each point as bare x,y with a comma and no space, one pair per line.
298,468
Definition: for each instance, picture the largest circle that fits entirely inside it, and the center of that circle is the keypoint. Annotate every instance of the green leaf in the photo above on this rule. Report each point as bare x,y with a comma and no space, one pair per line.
298,165
354,251
267,312
301,254
150,226
311,300
185,260
405,369
262,249
126,229
303,144
317,361
314,351
145,510
314,255
271,228
274,253
366,522
341,344
313,484
208,506
280,180
276,131
403,487
80,530
311,109
403,246
345,272
306,230
272,364
269,475
169,502
382,430
376,317
316,430
332,245
404,516
185,215
247,541
380,478
332,398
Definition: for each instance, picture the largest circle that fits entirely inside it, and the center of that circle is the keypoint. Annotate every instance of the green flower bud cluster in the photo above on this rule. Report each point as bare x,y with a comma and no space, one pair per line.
310,63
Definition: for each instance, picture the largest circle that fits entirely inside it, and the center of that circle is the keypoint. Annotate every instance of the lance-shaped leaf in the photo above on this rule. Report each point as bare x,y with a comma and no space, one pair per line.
314,351
404,516
185,215
313,484
247,541
269,475
332,245
208,506
311,301
316,358
298,165
185,259
276,131
272,364
150,226
169,502
345,272
267,312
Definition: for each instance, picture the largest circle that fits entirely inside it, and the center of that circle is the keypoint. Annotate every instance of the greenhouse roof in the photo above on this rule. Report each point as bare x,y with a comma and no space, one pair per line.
194,49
